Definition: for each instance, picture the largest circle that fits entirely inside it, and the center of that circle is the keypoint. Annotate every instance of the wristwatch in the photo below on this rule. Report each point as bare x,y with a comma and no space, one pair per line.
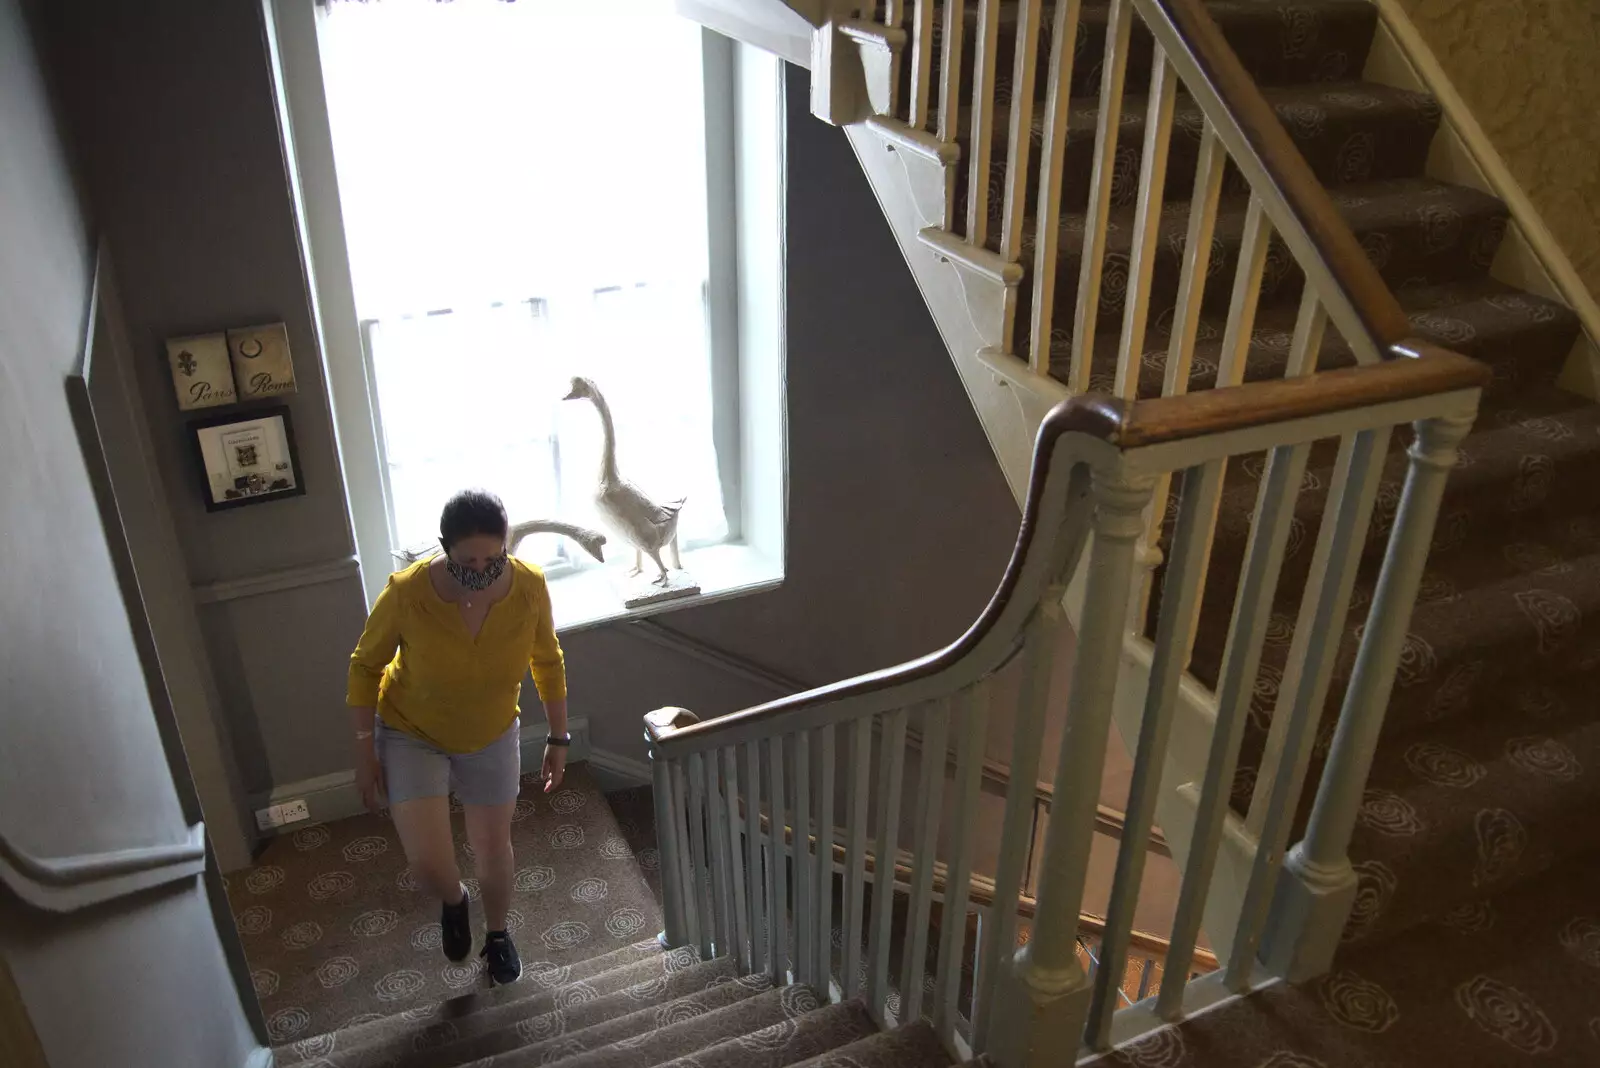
558,739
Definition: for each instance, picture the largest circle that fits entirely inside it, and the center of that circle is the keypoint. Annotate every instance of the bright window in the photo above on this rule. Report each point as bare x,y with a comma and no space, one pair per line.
524,192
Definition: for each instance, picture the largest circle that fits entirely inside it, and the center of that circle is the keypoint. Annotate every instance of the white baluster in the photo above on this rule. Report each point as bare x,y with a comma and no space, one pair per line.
1040,1012
1047,230
744,933
955,25
777,864
981,143
891,780
721,869
1174,632
822,741
689,885
701,885
1020,129
972,707
759,945
1146,223
1318,886
855,864
921,62
804,879
670,829
1109,123
924,843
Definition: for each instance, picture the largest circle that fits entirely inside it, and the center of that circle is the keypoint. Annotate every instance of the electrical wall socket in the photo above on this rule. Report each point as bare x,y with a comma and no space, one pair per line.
279,815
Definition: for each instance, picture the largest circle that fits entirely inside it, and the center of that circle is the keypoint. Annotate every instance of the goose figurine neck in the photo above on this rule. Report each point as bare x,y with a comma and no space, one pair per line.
651,528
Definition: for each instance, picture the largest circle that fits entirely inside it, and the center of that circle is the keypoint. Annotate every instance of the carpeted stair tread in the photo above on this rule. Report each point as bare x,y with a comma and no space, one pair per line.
1347,131
539,991
1507,981
1279,42
1524,338
788,1042
1493,801
1415,231
913,1046
685,1034
582,1009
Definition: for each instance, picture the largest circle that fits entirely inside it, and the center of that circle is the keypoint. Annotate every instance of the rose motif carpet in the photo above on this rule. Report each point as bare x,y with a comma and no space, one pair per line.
337,932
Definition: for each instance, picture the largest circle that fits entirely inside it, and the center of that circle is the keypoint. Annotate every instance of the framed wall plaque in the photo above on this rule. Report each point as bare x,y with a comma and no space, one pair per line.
247,458
261,364
201,373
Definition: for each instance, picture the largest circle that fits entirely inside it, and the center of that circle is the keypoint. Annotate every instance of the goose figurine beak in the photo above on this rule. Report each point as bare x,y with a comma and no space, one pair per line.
576,392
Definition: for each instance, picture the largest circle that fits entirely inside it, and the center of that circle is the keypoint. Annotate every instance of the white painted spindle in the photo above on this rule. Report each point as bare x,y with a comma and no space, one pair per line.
721,870
890,782
804,880
1181,593
1146,223
981,143
697,854
971,707
924,844
1020,128
756,880
777,864
744,935
687,883
955,25
1052,153
822,948
921,62
855,863
1107,126
669,846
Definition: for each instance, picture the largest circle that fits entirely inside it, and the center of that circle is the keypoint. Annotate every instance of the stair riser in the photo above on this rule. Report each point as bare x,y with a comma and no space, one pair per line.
1342,145
1278,43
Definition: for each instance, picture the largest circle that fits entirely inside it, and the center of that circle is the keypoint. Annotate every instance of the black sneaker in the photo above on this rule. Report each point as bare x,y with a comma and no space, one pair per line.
455,927
501,954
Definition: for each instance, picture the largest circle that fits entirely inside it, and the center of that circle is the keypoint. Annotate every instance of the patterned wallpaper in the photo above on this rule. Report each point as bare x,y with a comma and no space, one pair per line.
1528,70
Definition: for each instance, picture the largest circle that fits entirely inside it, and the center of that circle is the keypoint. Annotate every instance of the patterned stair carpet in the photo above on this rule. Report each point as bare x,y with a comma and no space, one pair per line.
337,933
1508,981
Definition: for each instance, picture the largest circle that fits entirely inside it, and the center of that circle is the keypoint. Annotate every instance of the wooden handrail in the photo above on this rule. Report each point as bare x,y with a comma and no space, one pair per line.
1129,425
1268,156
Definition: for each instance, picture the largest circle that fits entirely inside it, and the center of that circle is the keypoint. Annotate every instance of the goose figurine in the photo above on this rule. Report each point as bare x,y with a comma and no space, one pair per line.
593,541
649,527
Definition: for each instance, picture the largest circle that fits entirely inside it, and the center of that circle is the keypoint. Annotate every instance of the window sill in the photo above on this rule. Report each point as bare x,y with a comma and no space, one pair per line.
590,598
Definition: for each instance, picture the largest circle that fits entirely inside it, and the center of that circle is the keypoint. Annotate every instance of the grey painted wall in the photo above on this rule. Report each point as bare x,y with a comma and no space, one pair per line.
900,522
82,763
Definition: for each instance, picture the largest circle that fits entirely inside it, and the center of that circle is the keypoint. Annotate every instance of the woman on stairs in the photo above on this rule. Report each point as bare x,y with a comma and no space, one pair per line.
433,692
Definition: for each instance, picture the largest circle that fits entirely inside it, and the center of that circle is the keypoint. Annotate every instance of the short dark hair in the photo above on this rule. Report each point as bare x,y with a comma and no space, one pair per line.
470,512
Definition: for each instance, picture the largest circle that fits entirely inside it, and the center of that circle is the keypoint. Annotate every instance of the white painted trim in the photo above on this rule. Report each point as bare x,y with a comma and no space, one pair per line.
618,772
277,581
63,884
1430,75
334,796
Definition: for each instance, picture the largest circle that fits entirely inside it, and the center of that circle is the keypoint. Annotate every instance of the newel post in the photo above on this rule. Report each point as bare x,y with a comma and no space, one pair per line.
1318,886
1043,999
670,827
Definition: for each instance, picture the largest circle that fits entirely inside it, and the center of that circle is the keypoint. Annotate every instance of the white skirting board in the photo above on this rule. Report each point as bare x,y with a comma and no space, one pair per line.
613,771
334,797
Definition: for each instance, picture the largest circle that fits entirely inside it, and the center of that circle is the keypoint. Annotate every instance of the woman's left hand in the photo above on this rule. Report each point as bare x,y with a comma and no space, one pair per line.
555,766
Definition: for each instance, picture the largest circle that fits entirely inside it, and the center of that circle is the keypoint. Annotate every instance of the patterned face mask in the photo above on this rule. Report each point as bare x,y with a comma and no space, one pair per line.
476,580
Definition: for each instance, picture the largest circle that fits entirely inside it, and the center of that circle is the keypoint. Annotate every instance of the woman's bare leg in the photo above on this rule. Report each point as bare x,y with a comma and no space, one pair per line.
424,827
489,831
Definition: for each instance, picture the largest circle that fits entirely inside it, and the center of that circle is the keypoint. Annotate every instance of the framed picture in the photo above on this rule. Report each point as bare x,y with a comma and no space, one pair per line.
262,368
247,458
202,377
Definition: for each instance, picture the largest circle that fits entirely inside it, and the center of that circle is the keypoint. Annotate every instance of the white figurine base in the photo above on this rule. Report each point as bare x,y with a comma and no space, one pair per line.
640,590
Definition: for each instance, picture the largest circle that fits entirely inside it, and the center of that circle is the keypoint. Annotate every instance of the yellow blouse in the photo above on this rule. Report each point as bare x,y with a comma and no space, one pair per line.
426,675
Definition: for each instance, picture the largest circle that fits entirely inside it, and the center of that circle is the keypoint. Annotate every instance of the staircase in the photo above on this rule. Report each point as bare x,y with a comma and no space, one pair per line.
1228,339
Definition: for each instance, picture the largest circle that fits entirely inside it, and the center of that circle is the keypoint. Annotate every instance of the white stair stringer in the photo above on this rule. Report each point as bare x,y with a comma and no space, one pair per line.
913,175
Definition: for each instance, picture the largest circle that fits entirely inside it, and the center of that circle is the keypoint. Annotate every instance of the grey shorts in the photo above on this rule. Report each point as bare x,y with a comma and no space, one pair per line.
412,768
